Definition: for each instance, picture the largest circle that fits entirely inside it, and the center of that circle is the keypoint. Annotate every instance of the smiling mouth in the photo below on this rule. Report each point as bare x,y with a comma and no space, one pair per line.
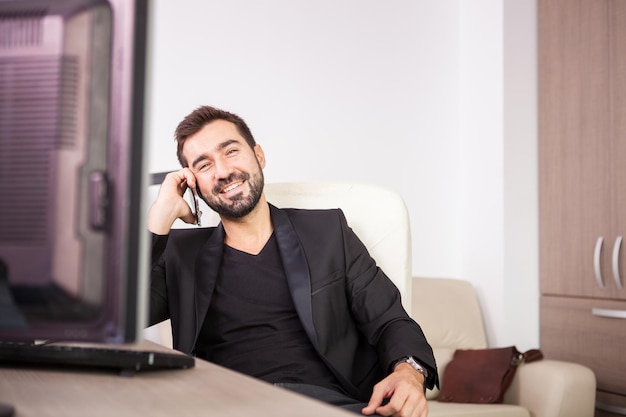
231,187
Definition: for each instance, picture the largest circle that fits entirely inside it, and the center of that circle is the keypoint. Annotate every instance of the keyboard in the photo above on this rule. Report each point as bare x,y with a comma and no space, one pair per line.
124,360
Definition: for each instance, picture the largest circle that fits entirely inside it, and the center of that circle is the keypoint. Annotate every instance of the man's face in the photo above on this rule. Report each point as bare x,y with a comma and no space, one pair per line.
229,173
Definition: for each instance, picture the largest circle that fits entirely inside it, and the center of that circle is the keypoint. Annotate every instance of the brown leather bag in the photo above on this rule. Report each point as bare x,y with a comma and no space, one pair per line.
482,375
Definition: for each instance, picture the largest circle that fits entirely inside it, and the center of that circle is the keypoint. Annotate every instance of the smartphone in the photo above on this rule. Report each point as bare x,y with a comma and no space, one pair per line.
196,205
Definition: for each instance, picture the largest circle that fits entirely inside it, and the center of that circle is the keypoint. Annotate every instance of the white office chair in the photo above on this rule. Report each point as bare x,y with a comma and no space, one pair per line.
377,215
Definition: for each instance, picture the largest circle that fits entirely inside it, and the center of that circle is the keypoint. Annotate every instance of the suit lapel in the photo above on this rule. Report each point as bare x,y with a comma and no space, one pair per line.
296,269
205,275
293,259
299,281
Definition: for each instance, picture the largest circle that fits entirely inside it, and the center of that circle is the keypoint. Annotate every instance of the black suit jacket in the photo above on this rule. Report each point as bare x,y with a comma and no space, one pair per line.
349,308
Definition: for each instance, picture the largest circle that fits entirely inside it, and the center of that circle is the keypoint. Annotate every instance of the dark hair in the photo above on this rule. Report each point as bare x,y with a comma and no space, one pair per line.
199,118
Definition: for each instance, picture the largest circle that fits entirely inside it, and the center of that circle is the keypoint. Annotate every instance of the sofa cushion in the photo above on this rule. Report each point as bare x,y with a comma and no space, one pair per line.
450,316
438,409
449,313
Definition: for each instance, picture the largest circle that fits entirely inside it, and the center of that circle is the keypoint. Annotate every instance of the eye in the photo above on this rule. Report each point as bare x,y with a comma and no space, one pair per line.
204,166
231,151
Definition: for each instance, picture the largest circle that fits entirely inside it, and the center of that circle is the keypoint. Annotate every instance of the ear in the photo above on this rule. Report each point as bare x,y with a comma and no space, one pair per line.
260,155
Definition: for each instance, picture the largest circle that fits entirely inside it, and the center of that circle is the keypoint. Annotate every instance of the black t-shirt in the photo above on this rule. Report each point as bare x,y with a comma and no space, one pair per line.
252,325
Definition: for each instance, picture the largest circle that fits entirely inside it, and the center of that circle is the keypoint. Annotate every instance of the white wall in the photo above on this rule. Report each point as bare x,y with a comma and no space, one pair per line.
413,95
521,199
480,130
498,193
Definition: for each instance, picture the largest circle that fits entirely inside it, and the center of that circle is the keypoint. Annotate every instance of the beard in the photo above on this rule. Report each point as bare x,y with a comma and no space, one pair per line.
239,205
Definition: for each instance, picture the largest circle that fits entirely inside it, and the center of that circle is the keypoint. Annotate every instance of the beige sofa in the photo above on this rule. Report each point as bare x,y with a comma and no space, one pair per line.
449,313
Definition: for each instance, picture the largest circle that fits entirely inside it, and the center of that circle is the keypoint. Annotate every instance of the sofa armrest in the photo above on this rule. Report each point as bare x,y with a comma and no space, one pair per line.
550,388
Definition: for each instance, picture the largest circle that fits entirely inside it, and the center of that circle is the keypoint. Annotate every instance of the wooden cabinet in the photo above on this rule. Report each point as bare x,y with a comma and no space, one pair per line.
582,189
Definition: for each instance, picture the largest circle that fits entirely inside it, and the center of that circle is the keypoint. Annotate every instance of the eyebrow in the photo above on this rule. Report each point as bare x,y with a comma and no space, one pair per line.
219,147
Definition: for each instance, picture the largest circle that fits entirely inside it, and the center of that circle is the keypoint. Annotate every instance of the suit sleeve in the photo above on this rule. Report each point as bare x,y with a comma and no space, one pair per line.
376,305
158,285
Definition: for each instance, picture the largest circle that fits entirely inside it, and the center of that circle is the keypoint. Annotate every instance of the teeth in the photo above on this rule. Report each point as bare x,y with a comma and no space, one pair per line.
231,187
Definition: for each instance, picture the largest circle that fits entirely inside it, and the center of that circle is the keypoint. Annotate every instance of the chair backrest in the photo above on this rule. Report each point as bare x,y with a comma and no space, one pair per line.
376,214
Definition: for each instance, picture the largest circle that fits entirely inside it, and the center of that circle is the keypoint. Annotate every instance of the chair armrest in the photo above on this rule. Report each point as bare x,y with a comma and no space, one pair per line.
550,388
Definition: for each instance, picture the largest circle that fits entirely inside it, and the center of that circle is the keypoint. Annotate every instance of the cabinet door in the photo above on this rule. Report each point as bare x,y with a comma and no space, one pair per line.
617,51
577,204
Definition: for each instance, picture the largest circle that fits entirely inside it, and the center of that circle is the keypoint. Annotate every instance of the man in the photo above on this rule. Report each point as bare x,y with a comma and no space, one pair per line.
288,296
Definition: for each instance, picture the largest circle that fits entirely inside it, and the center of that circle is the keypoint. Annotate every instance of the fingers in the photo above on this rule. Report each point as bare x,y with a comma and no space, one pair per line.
169,204
404,404
179,181
376,400
405,396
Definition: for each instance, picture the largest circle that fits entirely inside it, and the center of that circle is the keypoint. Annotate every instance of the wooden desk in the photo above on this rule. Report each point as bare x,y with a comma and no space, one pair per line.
205,390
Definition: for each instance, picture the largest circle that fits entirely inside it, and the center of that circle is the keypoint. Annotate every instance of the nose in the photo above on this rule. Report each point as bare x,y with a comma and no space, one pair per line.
221,169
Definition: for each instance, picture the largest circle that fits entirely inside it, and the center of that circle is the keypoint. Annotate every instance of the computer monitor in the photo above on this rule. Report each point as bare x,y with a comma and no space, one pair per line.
73,257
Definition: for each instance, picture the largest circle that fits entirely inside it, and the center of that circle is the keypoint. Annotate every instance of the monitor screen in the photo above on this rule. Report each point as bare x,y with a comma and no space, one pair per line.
73,260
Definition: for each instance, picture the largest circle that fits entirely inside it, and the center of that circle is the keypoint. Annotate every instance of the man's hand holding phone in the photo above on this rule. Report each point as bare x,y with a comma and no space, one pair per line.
170,204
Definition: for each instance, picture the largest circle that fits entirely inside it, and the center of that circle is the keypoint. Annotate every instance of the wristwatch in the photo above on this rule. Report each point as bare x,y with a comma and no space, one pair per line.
415,364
